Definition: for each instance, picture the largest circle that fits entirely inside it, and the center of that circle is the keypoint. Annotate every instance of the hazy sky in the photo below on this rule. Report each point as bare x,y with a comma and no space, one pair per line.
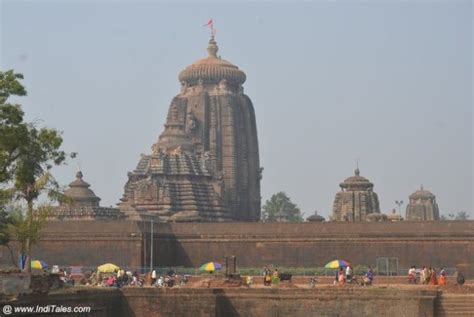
387,82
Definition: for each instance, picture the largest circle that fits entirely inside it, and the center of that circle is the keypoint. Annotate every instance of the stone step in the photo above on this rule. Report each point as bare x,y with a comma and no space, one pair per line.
450,312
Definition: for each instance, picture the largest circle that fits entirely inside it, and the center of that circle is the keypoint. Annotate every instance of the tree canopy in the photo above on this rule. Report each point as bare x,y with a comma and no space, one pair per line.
460,215
280,208
27,154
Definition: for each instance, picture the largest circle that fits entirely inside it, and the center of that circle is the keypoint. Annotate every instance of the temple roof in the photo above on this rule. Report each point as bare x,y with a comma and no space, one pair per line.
80,193
172,164
315,217
212,69
422,193
356,182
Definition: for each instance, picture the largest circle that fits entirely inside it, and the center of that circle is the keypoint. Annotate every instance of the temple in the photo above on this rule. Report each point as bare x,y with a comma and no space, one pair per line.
82,204
422,206
356,201
205,165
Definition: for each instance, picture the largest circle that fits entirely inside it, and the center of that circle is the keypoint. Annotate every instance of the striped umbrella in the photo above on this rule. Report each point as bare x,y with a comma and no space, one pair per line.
39,265
337,264
210,267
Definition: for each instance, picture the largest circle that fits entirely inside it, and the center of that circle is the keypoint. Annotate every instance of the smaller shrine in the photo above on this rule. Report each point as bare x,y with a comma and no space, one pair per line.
422,206
315,217
82,203
356,201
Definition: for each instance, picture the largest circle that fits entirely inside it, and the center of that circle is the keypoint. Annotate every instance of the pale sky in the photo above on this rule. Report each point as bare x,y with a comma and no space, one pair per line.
388,82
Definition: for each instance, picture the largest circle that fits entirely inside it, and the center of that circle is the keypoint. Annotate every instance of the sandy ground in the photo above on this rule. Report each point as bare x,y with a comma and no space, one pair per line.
467,288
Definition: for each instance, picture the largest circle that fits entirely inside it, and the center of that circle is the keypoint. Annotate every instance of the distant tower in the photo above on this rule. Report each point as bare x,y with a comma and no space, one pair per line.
422,206
205,165
356,200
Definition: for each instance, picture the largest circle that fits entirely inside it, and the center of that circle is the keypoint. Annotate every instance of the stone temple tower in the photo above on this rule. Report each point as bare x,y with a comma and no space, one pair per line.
356,201
422,206
205,165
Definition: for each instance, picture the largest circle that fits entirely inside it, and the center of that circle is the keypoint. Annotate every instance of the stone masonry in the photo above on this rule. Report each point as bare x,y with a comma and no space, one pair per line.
422,206
205,165
356,201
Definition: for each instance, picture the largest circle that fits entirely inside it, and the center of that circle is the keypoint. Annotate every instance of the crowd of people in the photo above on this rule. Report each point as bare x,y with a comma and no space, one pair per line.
169,279
121,278
427,276
346,275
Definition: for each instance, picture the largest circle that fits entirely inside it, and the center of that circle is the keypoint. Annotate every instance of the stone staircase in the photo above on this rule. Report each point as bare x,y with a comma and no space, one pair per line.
447,305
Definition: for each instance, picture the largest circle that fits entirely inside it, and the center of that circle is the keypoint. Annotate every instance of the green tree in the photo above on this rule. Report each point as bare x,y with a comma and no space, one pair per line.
280,208
461,215
12,134
27,154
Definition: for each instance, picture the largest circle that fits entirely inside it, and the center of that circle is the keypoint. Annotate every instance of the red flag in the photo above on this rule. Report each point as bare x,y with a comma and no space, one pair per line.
209,23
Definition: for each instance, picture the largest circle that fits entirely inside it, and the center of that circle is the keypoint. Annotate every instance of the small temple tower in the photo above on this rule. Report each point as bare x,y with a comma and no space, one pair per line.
82,204
422,206
205,165
356,201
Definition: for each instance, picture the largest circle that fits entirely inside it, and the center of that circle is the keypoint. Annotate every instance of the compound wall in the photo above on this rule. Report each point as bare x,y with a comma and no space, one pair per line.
127,243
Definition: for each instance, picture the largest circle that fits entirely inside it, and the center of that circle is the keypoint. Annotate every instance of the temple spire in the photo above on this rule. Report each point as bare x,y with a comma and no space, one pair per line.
212,48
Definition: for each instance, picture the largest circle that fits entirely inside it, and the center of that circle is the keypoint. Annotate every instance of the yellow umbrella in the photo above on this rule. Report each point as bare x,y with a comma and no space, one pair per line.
108,268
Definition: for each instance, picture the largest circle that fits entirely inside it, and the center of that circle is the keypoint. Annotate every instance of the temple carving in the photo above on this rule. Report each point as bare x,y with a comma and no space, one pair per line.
356,201
422,206
205,165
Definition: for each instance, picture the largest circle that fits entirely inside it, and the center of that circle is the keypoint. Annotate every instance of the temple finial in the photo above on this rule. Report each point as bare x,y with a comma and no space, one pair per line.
357,171
421,187
79,175
212,48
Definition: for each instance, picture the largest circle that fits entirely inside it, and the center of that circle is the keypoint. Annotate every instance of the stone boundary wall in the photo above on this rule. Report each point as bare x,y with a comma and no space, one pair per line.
403,229
435,243
243,302
127,243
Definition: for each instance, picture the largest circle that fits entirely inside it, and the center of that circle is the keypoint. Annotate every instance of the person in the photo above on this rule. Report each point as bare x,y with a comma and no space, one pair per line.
267,280
111,281
460,278
442,277
336,277
412,275
368,277
266,271
183,281
249,280
341,278
313,280
276,273
428,275
349,274
433,277
153,277
160,282
423,275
